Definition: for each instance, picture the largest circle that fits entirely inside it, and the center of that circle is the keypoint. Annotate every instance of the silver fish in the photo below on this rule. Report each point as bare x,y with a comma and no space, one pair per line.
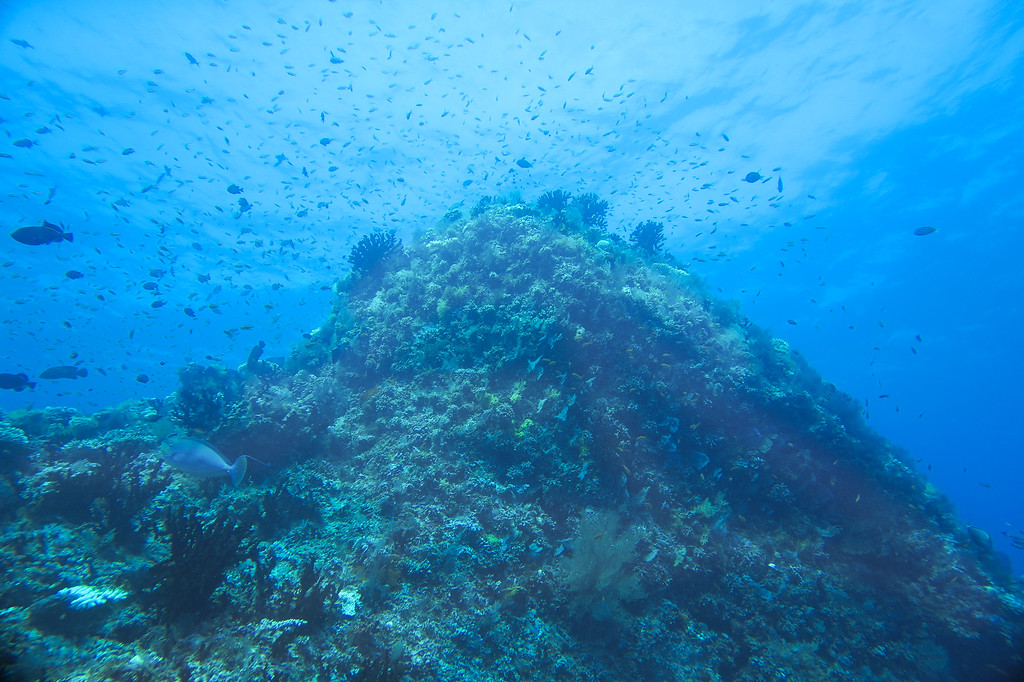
201,459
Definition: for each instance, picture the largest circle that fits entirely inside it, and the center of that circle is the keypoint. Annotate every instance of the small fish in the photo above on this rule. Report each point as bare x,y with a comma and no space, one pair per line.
22,43
63,372
37,235
201,459
191,59
16,382
922,231
73,274
523,163
752,177
25,143
142,379
235,189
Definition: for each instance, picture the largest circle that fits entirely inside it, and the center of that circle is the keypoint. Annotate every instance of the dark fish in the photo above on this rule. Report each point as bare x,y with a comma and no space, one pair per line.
73,274
22,43
780,185
254,356
752,176
25,143
235,189
64,372
142,379
922,231
16,382
523,163
191,59
189,312
37,235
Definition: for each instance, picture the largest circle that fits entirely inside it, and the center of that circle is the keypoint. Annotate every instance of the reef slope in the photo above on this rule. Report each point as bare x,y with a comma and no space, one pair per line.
519,448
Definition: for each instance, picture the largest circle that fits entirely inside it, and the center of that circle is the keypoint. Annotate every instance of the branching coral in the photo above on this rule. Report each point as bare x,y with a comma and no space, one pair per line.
593,210
648,236
371,250
552,202
201,552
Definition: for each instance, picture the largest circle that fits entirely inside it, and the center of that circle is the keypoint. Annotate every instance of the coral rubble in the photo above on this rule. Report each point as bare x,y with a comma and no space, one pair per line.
525,449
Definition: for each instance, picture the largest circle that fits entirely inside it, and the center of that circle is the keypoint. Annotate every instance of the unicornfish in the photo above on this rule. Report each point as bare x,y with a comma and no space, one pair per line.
201,459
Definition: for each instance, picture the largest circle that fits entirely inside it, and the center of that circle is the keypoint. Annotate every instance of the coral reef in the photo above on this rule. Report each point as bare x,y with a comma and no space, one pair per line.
524,449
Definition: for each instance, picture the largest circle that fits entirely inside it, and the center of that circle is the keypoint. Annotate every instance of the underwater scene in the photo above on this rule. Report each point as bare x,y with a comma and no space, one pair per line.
511,340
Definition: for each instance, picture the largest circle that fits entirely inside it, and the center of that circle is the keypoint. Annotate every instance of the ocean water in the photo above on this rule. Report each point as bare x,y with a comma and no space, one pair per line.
834,181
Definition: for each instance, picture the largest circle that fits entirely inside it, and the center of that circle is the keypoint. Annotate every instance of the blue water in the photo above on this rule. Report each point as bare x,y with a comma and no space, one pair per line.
881,117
